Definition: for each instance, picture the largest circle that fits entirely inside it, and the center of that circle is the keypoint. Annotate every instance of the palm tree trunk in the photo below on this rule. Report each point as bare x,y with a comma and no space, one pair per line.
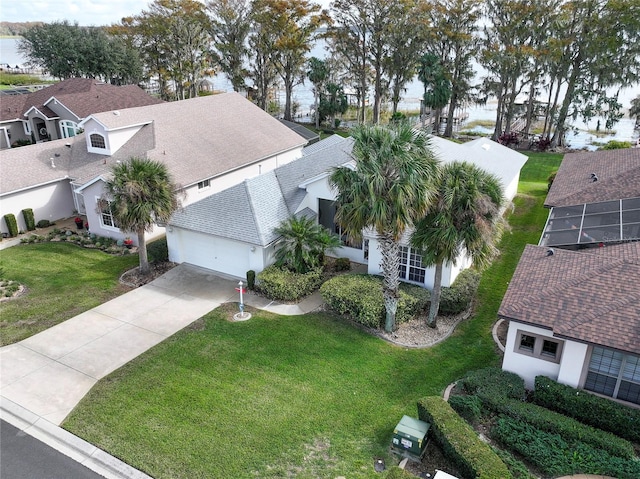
435,296
390,251
142,254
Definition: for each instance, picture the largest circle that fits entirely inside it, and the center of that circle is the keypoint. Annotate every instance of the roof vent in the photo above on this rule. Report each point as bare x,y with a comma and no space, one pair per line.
116,113
594,178
550,252
486,146
53,165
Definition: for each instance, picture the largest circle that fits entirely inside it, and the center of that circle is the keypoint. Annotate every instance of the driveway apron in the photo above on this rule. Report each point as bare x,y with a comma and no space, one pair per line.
49,373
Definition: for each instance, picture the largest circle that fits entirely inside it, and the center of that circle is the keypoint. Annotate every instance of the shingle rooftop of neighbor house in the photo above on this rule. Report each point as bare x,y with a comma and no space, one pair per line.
590,295
83,96
203,137
617,172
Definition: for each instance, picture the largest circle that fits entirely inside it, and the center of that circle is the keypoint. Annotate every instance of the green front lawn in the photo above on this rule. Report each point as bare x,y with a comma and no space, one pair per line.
306,396
62,280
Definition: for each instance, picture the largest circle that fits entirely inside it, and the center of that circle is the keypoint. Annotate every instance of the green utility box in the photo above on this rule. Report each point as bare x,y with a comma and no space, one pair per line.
410,437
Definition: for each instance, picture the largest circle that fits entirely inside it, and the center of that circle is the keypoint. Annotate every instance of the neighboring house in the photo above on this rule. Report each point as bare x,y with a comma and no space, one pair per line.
573,304
55,112
208,144
232,231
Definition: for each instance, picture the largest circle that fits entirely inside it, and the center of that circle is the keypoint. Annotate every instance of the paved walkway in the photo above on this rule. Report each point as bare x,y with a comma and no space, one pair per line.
42,378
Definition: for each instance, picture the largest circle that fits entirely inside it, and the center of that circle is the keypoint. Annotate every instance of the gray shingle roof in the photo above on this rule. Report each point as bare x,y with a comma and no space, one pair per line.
250,211
197,139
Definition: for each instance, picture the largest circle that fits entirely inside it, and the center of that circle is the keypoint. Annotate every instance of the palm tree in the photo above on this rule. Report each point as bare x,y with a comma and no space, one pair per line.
317,74
141,194
390,188
303,244
464,218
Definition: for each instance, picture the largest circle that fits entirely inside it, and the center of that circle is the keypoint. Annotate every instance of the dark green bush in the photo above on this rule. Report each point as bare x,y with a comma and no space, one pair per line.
158,251
343,264
616,145
359,296
469,407
284,285
587,408
251,279
459,441
460,295
12,224
555,456
494,382
518,469
550,179
43,223
29,219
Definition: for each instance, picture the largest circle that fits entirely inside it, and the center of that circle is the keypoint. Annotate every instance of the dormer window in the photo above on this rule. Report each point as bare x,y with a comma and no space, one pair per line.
97,141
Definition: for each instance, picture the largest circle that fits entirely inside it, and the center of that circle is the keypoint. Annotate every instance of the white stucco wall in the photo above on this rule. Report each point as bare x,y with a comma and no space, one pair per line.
572,364
49,202
526,366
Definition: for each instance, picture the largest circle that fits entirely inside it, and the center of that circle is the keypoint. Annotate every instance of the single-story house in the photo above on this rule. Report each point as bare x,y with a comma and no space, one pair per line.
208,143
573,304
232,231
54,112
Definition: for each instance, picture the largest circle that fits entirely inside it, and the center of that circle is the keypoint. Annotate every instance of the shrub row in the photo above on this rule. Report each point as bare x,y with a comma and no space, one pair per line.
459,296
158,251
359,297
555,456
284,285
588,408
494,382
502,392
459,441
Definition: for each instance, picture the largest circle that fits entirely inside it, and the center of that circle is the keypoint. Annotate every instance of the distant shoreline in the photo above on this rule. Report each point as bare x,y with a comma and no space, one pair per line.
9,36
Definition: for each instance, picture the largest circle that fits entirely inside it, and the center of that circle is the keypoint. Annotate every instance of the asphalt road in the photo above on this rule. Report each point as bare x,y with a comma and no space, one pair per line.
24,457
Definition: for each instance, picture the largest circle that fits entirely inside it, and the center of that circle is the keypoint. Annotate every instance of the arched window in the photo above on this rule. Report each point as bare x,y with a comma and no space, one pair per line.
97,141
68,128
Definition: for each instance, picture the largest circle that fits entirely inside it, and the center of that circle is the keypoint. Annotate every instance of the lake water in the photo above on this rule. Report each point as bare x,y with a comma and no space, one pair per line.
303,95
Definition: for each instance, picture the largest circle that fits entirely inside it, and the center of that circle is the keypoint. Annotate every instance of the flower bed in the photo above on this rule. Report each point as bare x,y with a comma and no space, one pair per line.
82,238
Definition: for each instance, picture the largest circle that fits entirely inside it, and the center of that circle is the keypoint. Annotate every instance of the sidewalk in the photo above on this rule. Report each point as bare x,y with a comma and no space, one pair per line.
42,378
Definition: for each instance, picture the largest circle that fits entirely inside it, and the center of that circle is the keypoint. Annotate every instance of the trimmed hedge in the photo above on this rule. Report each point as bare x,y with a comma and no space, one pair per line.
44,223
29,219
284,285
459,441
251,279
494,382
459,296
469,407
12,224
502,392
587,408
359,296
555,456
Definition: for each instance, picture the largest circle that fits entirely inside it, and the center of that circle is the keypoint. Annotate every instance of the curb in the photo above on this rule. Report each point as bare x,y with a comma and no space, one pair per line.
494,333
66,443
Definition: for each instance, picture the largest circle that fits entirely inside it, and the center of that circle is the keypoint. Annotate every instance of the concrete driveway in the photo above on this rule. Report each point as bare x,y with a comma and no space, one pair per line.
50,372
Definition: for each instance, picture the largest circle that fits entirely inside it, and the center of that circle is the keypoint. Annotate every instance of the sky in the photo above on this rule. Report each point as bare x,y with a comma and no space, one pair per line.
85,12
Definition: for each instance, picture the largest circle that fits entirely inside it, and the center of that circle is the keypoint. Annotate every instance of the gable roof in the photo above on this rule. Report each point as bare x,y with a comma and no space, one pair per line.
499,160
197,139
82,96
250,211
589,295
617,171
206,136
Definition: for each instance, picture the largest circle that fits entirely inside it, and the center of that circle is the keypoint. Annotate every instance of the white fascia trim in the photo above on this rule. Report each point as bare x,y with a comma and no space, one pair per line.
349,164
65,177
91,117
45,116
89,183
62,105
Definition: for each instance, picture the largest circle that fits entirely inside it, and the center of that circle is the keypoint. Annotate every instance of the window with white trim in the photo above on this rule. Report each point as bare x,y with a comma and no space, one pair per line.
106,215
203,185
411,267
538,346
68,128
97,141
614,374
